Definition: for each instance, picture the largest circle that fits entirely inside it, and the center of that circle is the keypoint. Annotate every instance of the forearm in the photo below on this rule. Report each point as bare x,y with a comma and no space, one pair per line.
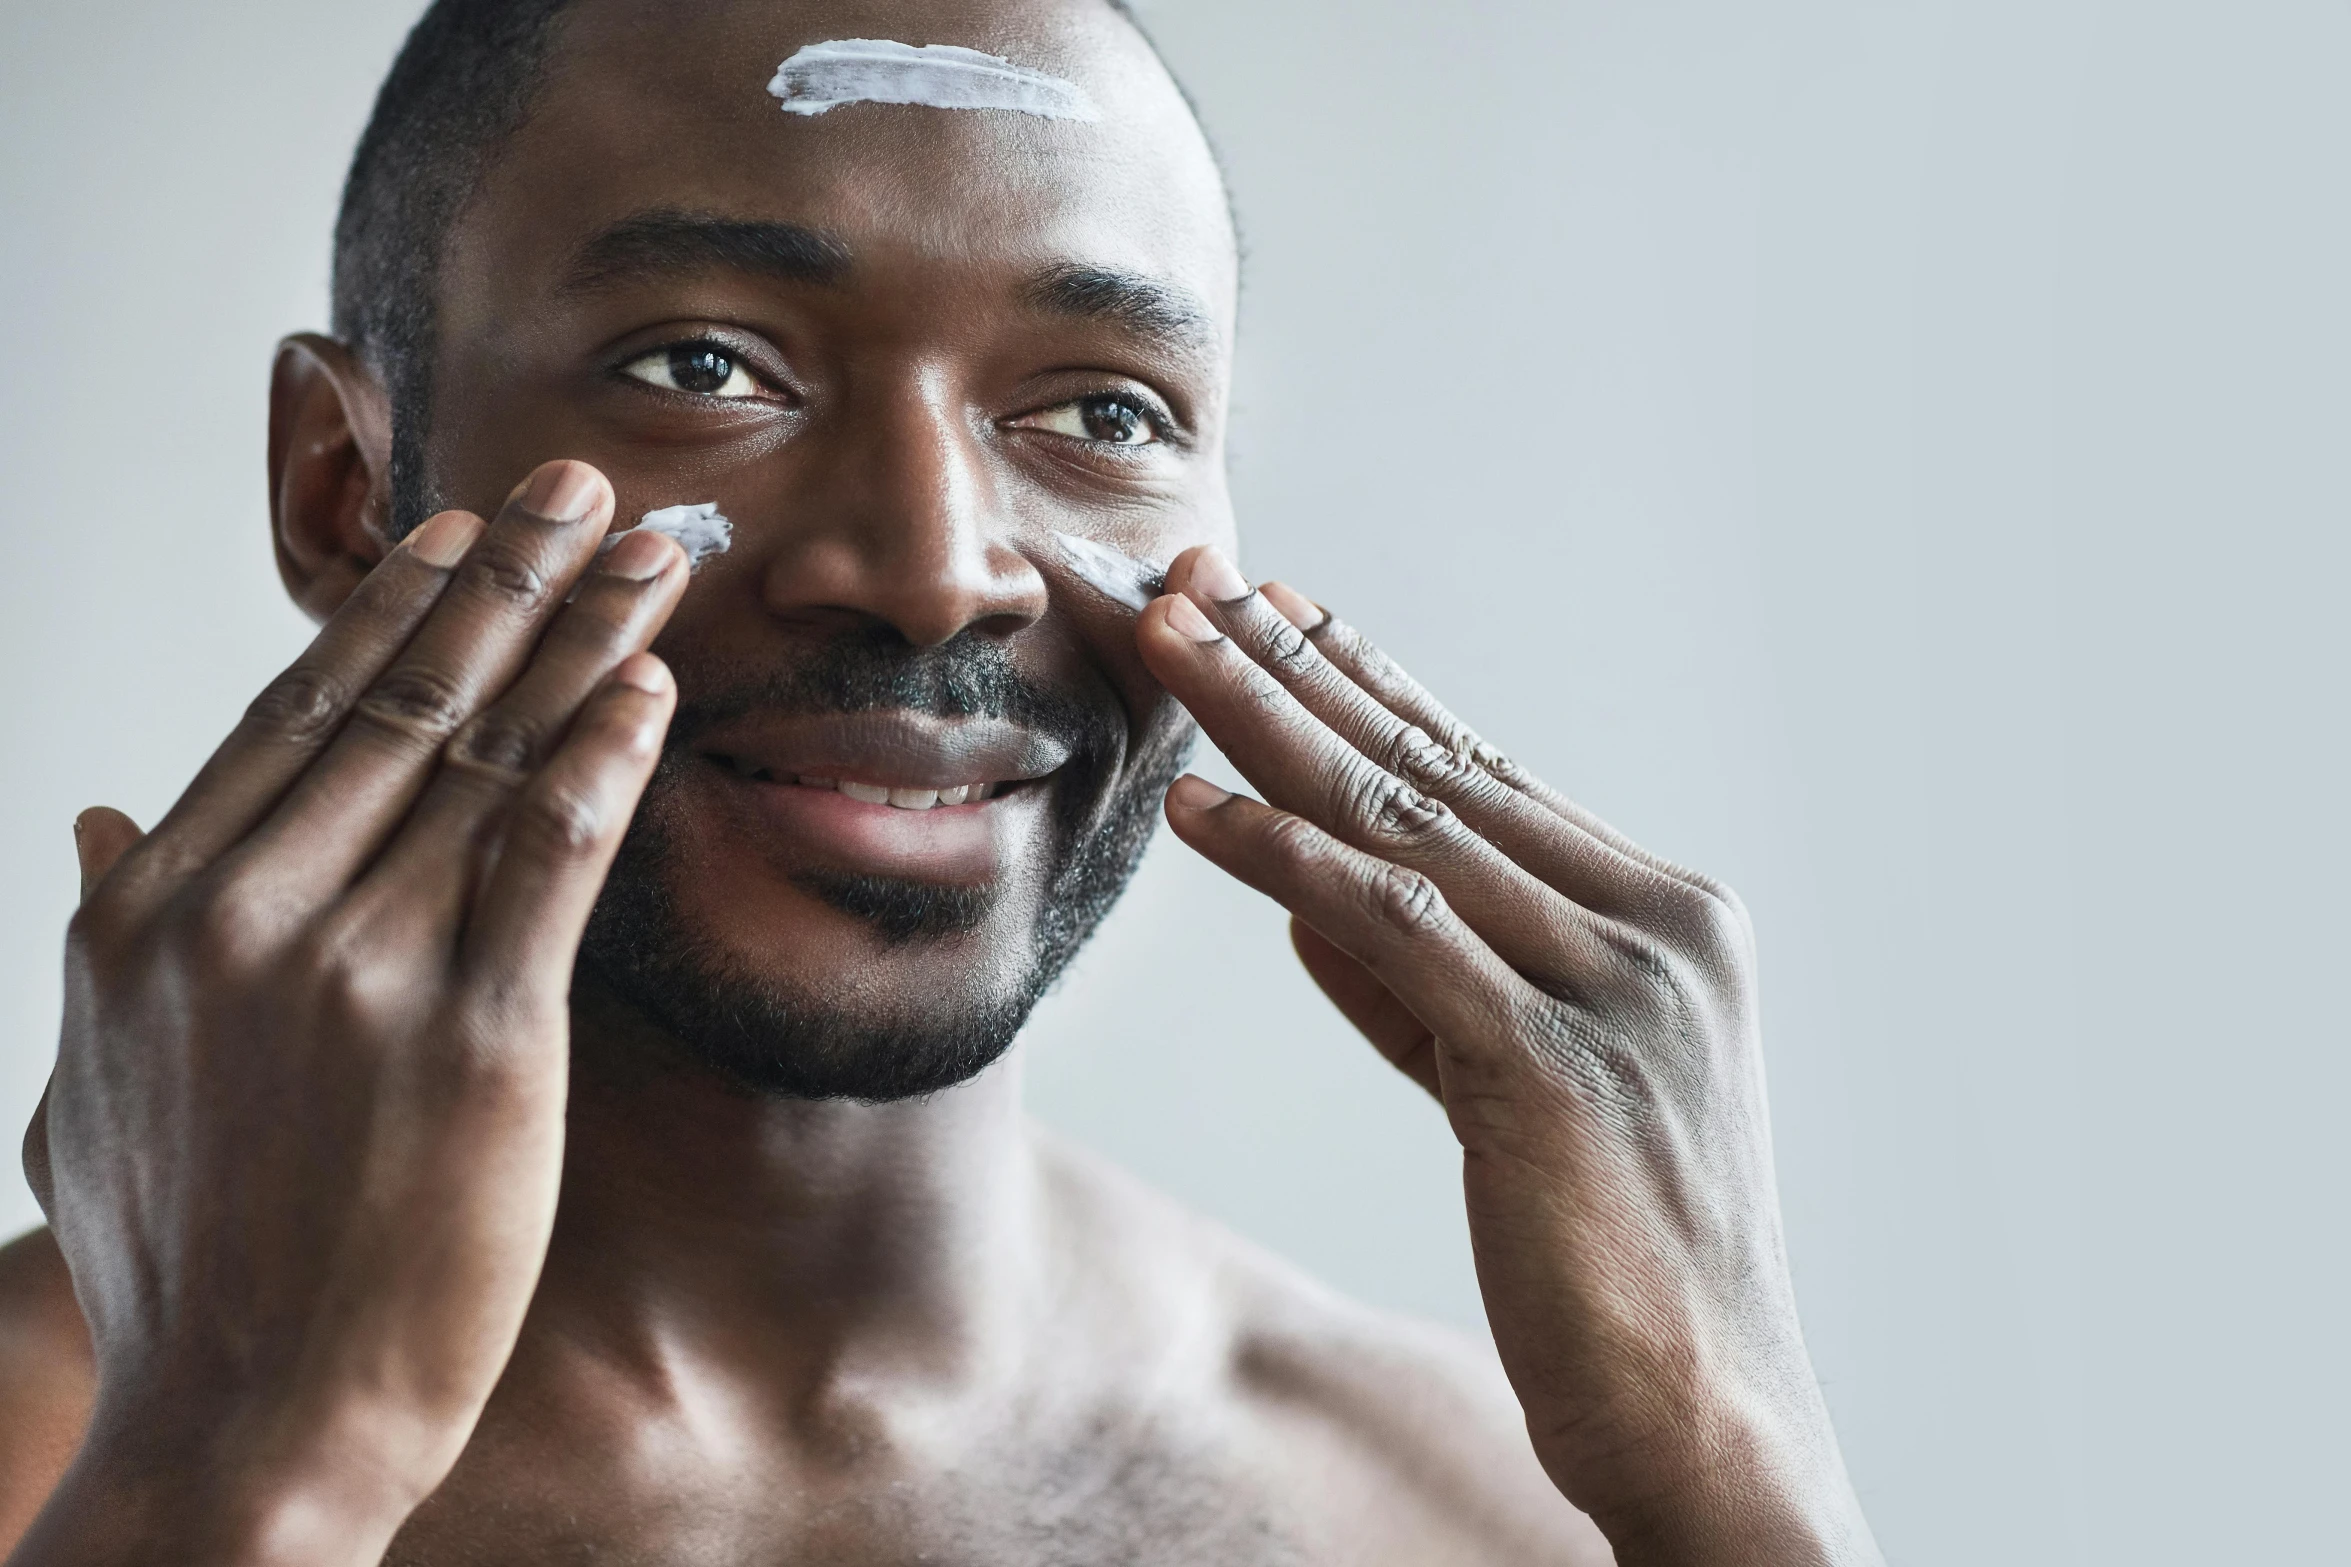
133,1505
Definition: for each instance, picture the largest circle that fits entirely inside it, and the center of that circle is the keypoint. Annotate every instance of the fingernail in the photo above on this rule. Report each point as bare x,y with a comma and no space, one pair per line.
643,672
639,556
1296,607
1217,577
563,491
1185,617
1195,793
443,540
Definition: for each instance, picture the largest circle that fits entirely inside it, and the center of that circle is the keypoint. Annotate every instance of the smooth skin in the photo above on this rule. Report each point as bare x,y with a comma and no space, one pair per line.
380,1233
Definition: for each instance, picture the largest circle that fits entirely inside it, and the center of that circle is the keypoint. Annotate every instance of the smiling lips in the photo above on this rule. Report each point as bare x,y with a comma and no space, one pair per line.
900,798
941,785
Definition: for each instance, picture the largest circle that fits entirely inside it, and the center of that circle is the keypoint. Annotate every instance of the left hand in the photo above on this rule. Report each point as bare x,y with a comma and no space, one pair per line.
1585,1013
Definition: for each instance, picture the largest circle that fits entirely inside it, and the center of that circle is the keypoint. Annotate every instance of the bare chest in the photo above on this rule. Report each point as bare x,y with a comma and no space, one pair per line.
1137,1503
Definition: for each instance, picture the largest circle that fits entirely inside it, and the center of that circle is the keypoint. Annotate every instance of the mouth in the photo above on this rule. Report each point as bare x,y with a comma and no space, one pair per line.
896,796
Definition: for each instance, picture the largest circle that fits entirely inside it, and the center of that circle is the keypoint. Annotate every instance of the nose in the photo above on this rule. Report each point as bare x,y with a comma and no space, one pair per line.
898,519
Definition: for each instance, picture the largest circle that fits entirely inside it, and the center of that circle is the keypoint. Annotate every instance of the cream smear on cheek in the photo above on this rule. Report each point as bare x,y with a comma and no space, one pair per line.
1113,573
823,77
701,531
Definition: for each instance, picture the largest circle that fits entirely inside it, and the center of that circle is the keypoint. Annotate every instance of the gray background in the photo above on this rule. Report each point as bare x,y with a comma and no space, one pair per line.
1891,455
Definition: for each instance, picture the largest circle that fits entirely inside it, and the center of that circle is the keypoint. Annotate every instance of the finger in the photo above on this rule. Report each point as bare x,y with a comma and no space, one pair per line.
102,835
1555,850
1393,921
1304,768
295,717
1361,661
337,817
1371,1006
620,606
558,840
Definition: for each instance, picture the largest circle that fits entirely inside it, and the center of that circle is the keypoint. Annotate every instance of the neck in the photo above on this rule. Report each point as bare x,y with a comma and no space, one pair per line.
698,1217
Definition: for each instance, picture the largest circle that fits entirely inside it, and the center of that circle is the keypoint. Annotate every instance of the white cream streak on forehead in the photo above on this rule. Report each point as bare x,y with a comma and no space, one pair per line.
938,76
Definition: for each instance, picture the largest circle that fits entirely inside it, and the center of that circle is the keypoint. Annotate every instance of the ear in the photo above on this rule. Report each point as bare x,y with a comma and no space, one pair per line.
330,467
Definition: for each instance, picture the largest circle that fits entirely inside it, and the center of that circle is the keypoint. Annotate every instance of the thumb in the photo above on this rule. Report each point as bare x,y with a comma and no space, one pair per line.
101,834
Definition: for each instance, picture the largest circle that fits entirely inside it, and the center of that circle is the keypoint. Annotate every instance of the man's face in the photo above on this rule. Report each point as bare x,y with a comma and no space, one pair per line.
901,348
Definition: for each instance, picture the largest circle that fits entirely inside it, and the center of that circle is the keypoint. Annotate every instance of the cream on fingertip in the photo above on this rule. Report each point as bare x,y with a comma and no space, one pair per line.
703,532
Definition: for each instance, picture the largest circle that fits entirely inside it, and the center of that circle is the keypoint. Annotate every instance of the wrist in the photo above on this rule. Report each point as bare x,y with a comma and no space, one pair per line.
1722,1482
136,1495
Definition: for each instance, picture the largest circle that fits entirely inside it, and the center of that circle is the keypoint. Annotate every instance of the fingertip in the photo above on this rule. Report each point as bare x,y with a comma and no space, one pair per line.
1185,619
1195,793
1180,569
646,673
442,540
565,490
1296,607
101,836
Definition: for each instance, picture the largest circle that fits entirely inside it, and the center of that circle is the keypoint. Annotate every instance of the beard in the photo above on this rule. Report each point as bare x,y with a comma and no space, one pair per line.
774,1039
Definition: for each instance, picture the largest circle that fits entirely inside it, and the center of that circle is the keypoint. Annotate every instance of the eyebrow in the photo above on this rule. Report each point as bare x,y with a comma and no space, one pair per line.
649,246
654,245
1147,306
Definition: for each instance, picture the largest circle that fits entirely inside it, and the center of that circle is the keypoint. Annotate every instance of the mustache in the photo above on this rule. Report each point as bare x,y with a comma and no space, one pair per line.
874,669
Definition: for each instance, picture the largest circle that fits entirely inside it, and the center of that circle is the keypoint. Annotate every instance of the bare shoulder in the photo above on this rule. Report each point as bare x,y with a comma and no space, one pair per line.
1403,1438
46,1378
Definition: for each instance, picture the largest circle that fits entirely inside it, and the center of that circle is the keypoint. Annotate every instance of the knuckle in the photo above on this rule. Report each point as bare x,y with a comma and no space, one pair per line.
559,823
1286,650
1405,900
1412,753
302,705
486,1058
1391,813
1647,959
1505,769
352,973
502,741
417,700
1292,838
347,992
98,928
223,929
1262,691
505,575
1710,918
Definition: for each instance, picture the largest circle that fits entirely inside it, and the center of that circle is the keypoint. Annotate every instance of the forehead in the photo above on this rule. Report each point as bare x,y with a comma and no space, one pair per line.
650,106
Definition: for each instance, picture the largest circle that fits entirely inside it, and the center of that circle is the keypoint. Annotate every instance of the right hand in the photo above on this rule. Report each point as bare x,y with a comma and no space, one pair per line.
303,1140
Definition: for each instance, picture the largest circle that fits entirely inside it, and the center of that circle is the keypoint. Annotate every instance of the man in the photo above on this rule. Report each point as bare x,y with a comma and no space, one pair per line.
382,1229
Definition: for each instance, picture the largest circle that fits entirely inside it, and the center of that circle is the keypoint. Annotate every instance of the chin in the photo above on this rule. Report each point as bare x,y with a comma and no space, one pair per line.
774,926
806,982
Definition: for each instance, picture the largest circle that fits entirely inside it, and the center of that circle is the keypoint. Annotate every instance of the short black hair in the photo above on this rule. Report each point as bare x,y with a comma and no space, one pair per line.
461,86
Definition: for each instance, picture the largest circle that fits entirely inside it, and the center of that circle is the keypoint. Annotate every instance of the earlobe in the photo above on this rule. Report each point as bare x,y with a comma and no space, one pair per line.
330,450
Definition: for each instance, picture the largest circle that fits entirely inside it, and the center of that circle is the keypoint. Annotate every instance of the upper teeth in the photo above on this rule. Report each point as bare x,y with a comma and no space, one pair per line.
874,794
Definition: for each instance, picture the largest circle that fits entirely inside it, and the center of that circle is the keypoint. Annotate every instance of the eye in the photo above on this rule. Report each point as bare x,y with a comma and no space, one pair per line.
699,369
1105,420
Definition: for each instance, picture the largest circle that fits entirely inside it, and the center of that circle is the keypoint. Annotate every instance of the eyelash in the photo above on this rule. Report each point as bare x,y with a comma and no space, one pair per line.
1163,424
734,354
1168,432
